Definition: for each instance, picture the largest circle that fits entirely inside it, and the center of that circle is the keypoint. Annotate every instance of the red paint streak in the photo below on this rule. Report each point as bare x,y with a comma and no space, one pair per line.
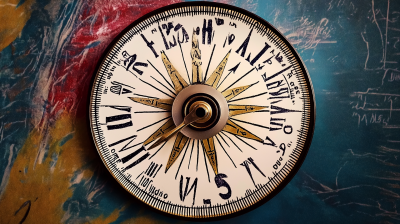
100,22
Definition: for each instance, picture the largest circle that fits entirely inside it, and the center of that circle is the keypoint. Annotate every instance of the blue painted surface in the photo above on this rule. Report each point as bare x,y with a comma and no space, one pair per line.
352,171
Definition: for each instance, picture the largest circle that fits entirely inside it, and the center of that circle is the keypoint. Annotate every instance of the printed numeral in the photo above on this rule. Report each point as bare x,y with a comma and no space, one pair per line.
246,165
186,192
120,117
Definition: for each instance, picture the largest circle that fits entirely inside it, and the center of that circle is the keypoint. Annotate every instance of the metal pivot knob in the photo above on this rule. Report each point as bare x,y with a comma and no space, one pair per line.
200,112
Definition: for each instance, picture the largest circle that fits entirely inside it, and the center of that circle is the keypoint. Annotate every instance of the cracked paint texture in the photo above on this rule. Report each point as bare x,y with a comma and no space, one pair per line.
50,171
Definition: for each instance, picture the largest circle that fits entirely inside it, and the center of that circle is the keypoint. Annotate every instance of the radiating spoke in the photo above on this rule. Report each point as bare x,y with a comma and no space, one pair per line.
231,93
180,142
235,129
169,125
176,78
195,53
243,109
216,75
209,149
165,104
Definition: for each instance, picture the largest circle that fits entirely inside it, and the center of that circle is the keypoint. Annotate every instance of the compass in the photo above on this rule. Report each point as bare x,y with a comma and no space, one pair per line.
202,110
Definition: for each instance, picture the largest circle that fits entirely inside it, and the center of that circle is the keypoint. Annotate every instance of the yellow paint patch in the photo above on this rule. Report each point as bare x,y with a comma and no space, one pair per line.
115,214
12,20
47,184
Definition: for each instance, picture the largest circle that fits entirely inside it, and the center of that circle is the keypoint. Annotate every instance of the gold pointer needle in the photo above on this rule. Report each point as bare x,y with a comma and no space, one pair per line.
196,114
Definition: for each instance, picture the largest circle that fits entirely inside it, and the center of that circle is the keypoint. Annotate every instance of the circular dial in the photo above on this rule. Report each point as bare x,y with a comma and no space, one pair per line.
202,110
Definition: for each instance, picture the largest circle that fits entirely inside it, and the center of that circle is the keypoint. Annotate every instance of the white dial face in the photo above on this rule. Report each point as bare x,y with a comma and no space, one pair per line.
261,79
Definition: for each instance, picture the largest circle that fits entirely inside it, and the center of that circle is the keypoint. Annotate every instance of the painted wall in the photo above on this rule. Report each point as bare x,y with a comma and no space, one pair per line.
50,171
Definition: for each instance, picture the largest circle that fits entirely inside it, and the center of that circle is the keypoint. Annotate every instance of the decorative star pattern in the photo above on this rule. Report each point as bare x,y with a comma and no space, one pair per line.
197,77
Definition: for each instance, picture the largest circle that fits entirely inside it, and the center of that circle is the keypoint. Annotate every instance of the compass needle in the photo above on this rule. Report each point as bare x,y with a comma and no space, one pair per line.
166,127
176,78
216,75
195,53
165,104
198,112
209,149
244,109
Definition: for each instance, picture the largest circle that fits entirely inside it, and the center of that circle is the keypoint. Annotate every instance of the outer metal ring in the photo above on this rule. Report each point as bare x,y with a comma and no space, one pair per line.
178,106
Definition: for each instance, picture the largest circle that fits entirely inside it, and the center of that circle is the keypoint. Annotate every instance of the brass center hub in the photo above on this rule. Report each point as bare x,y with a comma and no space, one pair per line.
209,104
203,110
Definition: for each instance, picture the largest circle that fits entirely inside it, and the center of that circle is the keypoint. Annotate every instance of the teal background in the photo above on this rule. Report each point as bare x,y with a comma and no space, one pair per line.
50,171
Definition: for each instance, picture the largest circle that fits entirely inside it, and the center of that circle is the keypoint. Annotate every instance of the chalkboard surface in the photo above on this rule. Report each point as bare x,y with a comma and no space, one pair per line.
50,171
